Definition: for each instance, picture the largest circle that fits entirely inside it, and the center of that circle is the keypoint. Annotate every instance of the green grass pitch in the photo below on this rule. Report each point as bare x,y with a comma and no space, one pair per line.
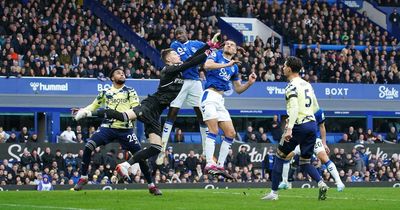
229,199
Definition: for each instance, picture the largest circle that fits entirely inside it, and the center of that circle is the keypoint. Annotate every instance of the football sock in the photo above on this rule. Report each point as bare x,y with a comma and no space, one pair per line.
285,172
332,169
224,150
203,133
210,147
144,154
277,173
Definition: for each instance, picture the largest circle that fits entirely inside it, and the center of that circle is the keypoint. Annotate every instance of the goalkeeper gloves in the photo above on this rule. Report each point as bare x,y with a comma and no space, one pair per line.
82,113
215,42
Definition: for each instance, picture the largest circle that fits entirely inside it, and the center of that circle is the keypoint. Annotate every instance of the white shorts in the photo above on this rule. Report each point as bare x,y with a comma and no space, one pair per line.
213,107
190,94
318,147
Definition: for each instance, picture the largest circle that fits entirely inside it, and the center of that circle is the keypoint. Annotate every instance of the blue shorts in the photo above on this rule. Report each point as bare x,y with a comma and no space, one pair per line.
305,135
126,137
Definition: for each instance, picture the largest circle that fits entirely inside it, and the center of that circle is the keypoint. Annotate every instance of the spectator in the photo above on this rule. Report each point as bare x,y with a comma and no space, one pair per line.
338,159
68,135
179,137
109,159
349,162
181,167
191,161
274,42
356,177
78,131
345,139
361,132
2,139
259,133
45,184
26,159
79,159
353,136
267,164
392,135
24,136
242,158
36,158
79,139
3,135
264,139
47,158
370,137
33,138
71,161
247,135
379,139
276,131
253,138
394,18
59,160
361,139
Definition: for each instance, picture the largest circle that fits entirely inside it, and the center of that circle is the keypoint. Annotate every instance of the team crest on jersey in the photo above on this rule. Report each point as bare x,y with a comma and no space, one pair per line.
180,51
193,49
213,54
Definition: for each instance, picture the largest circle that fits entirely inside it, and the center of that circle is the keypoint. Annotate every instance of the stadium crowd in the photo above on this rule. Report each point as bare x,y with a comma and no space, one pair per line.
387,3
63,169
60,39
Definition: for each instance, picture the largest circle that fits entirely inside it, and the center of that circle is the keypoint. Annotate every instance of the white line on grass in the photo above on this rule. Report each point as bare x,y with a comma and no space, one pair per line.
329,197
42,207
342,198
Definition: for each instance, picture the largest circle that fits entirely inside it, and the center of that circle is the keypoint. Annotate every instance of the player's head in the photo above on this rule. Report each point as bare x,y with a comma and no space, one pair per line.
169,56
230,47
181,35
292,65
117,76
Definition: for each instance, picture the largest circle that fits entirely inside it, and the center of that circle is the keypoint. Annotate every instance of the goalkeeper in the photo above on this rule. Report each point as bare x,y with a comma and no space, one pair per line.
149,111
120,98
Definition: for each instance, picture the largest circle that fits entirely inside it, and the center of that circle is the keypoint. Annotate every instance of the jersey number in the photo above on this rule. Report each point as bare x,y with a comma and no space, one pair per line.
308,104
132,137
317,145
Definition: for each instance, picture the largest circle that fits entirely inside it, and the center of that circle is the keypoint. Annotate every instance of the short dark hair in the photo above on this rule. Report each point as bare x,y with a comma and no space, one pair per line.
294,63
180,30
165,53
114,70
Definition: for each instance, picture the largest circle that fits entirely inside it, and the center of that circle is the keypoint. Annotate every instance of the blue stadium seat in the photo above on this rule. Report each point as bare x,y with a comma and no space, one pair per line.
196,138
188,138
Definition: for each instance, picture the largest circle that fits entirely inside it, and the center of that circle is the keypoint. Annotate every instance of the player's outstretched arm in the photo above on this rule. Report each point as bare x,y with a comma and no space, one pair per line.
198,57
87,111
240,88
111,114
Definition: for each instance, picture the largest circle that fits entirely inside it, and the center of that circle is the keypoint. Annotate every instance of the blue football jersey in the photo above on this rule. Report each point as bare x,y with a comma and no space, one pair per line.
186,50
319,116
220,78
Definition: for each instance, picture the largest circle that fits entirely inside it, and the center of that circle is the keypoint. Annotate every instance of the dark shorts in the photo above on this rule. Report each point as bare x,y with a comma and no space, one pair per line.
305,135
149,113
126,137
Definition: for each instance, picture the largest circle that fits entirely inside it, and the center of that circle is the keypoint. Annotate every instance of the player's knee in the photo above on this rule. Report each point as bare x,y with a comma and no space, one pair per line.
323,157
90,145
231,134
212,129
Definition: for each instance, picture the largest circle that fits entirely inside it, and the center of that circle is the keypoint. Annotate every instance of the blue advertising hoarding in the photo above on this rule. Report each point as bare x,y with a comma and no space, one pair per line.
273,90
